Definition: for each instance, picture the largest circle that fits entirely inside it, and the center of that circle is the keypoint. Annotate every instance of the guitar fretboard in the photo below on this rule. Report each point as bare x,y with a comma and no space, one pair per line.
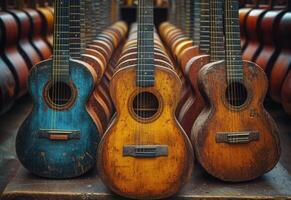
217,50
76,19
234,65
196,32
145,67
205,26
61,52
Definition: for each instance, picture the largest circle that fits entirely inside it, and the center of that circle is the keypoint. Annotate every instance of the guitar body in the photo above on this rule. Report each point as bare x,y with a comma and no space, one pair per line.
243,14
187,54
136,177
7,88
241,160
47,25
283,61
191,111
253,22
37,41
11,55
267,29
25,47
49,154
286,94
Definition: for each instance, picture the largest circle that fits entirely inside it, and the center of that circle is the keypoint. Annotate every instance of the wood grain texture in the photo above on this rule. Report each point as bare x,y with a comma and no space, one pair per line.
149,178
253,21
191,110
234,162
58,159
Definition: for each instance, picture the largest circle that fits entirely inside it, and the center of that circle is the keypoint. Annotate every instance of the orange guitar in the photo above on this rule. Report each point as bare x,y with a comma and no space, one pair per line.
145,154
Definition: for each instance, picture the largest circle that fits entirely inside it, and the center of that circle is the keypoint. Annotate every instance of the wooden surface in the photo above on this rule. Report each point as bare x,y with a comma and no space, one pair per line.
276,184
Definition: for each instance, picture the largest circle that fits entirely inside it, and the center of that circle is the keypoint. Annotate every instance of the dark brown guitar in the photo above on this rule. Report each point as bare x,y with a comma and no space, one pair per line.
234,137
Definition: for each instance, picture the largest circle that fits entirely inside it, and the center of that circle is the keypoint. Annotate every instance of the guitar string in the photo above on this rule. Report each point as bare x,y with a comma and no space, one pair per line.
56,63
138,63
58,83
54,60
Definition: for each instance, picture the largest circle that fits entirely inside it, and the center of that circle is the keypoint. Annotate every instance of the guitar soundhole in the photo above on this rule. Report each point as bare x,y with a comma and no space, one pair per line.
145,106
236,94
60,95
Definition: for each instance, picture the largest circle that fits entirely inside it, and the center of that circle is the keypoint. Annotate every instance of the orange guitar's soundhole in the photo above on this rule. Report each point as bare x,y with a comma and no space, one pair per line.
145,106
236,95
60,95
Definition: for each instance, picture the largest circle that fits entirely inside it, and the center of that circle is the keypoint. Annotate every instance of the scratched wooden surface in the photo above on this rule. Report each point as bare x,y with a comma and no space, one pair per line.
274,185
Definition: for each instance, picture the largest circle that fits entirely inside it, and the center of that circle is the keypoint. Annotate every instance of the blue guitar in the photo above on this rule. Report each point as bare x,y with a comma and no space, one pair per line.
59,138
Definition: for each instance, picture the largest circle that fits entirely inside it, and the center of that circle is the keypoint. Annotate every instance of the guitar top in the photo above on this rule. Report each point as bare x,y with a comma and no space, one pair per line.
59,138
144,139
234,137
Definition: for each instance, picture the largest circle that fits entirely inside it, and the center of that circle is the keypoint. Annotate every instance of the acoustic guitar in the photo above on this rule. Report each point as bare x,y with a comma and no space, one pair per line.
25,47
243,15
270,50
284,60
191,110
282,63
254,38
145,139
47,22
10,52
234,137
59,138
36,37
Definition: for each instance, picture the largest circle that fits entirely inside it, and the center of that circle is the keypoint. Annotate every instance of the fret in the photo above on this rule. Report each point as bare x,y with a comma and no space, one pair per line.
145,70
204,40
234,64
217,50
145,34
61,54
196,34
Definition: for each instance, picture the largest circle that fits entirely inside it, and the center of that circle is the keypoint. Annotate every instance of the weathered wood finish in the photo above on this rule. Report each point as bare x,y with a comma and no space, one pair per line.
190,111
234,162
58,159
149,178
253,21
11,54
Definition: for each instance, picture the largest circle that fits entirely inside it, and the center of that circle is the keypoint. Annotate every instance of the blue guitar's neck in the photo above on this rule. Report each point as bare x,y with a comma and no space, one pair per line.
61,53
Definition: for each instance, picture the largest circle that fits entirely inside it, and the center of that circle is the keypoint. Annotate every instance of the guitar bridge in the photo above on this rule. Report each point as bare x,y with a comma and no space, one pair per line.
145,151
237,137
53,134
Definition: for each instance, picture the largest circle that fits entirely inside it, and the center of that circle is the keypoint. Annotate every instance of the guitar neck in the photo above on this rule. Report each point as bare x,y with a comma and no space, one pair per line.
145,67
76,19
88,30
217,50
196,32
61,52
189,17
234,65
96,17
205,26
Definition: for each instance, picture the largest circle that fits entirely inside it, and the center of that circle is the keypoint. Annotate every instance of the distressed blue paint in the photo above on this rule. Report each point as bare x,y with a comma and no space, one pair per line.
58,159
